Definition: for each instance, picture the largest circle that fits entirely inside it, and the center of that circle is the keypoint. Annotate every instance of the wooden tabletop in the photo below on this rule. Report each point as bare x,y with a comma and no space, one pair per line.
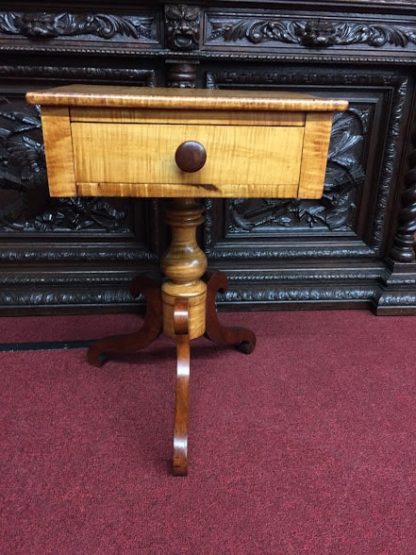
189,99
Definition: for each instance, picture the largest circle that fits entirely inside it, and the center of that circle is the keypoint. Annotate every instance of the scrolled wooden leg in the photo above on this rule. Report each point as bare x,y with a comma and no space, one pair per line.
241,338
98,353
180,435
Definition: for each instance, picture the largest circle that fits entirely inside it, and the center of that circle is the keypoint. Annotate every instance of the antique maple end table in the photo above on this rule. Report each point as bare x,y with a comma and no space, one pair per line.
183,144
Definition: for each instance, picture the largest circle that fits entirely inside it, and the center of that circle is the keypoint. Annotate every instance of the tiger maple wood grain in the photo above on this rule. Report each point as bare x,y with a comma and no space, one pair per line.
239,158
121,141
179,99
314,155
57,138
205,117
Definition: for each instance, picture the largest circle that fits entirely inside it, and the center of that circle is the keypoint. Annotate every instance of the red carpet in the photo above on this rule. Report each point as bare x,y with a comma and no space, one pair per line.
306,446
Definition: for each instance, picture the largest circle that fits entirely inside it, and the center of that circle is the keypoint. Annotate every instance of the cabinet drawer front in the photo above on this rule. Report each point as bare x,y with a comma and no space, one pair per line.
238,157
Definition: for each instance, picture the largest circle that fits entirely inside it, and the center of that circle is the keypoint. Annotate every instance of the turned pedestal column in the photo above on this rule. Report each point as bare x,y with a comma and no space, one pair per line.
184,297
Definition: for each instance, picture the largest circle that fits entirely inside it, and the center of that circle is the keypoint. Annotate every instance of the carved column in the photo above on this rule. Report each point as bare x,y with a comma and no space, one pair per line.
181,74
399,293
403,248
182,33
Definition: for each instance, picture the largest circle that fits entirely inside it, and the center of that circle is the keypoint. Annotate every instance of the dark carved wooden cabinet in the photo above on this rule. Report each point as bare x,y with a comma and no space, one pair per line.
353,247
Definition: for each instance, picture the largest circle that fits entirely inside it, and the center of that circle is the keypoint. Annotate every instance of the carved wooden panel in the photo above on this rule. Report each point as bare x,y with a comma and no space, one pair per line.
358,185
24,198
355,245
67,30
267,29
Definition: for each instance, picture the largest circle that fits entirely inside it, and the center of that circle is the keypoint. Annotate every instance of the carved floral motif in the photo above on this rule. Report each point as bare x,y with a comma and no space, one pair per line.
182,26
316,33
25,204
80,214
47,25
22,163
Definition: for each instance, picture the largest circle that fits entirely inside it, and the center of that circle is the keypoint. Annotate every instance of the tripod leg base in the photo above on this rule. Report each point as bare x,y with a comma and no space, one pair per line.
152,326
180,434
241,338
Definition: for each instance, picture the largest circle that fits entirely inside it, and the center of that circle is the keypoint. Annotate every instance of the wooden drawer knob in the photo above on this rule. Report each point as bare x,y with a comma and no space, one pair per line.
190,156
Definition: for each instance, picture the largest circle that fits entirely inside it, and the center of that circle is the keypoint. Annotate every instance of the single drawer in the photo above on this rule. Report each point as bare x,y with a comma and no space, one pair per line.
241,160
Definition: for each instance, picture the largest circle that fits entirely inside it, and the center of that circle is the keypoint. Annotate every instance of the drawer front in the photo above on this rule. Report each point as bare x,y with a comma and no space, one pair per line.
241,160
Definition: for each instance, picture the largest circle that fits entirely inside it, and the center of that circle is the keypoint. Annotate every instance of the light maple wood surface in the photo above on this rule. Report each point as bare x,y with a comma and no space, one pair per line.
179,99
238,157
196,294
121,141
56,129
204,117
314,154
184,263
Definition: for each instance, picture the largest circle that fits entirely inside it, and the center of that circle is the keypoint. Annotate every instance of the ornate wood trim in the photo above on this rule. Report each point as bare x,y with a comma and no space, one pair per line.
181,74
138,77
71,252
281,295
314,32
45,25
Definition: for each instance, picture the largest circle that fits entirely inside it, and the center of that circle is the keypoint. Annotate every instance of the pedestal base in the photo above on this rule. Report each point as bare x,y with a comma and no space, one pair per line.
242,339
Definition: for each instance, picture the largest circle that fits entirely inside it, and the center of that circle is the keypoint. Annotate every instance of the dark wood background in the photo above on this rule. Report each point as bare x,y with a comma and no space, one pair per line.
355,247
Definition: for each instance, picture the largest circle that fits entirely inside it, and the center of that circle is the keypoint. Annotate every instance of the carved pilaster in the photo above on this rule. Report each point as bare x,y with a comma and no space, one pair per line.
182,27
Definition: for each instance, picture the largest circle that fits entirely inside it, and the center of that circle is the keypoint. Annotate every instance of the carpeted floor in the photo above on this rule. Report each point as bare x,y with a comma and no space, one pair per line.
307,446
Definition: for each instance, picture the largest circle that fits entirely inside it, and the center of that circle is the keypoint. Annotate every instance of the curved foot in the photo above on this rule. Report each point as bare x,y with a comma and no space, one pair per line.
180,434
243,339
98,353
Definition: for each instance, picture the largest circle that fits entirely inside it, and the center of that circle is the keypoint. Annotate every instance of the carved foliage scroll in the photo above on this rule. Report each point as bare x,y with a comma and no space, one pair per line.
315,33
22,165
44,25
25,204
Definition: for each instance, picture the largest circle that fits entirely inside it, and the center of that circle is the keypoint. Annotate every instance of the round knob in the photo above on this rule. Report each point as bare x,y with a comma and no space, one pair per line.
190,156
